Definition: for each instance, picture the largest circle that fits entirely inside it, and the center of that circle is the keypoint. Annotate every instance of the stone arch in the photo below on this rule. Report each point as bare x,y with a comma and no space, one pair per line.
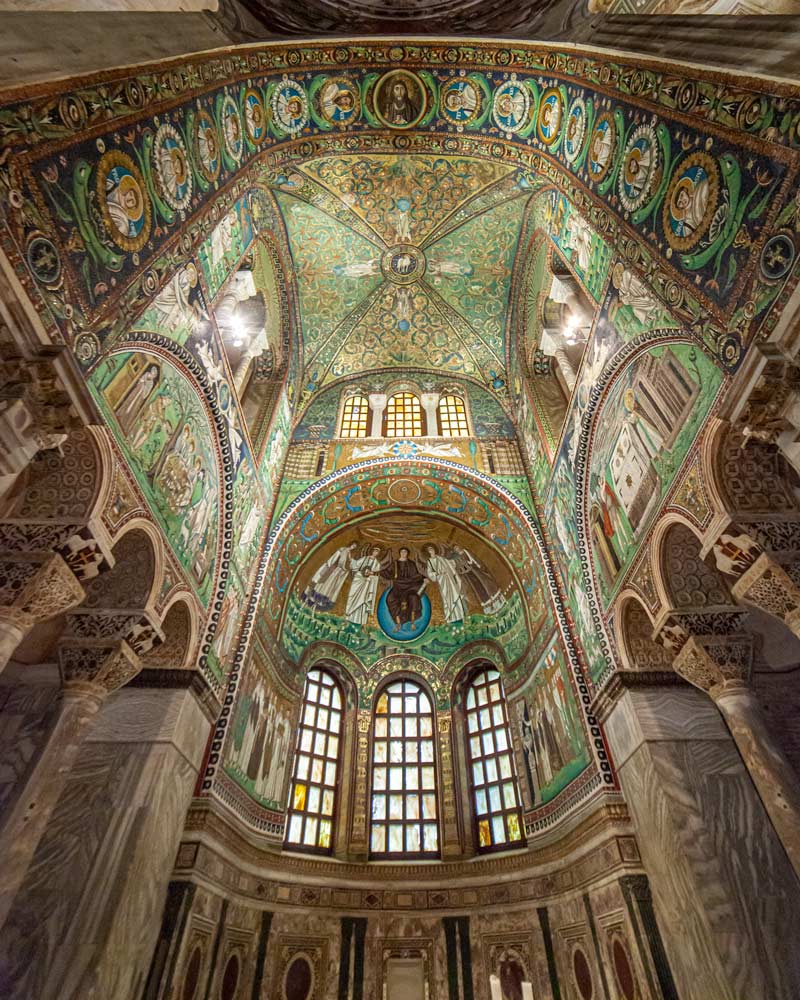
749,476
689,579
135,578
65,484
180,626
633,631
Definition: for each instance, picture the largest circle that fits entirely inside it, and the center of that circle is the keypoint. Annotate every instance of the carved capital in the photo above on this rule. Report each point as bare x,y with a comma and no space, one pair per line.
138,629
97,668
715,663
39,588
768,586
679,626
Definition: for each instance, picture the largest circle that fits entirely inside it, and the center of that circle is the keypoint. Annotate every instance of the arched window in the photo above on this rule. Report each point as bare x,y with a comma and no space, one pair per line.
312,794
491,766
355,417
403,415
452,417
404,811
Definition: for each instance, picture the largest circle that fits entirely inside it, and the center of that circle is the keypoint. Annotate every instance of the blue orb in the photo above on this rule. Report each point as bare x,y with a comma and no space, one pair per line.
403,325
405,633
403,204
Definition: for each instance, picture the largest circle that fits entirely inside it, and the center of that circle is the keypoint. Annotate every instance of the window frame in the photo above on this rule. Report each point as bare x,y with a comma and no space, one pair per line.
349,401
507,845
300,848
439,424
435,763
422,417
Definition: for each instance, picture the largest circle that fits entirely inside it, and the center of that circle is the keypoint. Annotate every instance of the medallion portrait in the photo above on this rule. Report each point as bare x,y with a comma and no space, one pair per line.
551,113
602,144
232,128
576,129
123,199
460,102
172,171
639,165
255,118
691,201
289,106
206,145
400,99
511,106
339,101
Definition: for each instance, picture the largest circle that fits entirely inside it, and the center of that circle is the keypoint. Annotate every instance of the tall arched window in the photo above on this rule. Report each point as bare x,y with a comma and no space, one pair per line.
404,811
312,794
491,765
403,415
355,417
452,417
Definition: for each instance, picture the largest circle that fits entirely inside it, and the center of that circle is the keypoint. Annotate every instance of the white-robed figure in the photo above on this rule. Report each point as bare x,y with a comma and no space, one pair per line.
323,590
444,572
364,587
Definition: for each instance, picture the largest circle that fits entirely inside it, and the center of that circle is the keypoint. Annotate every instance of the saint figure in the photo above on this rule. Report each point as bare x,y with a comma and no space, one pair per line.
404,596
364,587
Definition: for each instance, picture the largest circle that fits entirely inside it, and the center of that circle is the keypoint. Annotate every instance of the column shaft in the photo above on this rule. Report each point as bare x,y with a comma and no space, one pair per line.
24,827
723,889
772,774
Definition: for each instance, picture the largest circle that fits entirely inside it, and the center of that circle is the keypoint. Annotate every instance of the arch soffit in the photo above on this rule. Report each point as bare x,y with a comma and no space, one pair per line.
188,600
151,532
622,605
616,368
521,143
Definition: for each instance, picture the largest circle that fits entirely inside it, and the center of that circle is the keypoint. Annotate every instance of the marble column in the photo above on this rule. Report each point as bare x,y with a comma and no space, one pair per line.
723,888
377,404
89,675
33,589
721,666
451,844
86,918
359,848
430,401
566,369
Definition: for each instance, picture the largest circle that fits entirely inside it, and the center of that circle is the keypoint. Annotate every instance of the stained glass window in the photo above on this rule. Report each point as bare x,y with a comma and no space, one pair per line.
452,417
355,417
404,811
403,416
312,793
491,764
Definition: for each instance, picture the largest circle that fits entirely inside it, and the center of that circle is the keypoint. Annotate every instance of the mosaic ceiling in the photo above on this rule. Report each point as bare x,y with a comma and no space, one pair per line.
402,261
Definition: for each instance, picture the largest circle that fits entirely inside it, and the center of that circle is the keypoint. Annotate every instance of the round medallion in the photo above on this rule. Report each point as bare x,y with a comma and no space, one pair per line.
123,200
400,99
298,980
339,101
576,129
460,102
206,145
777,257
602,145
511,105
404,491
172,171
403,631
690,201
639,165
87,348
551,113
43,260
231,122
289,106
255,117
403,264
